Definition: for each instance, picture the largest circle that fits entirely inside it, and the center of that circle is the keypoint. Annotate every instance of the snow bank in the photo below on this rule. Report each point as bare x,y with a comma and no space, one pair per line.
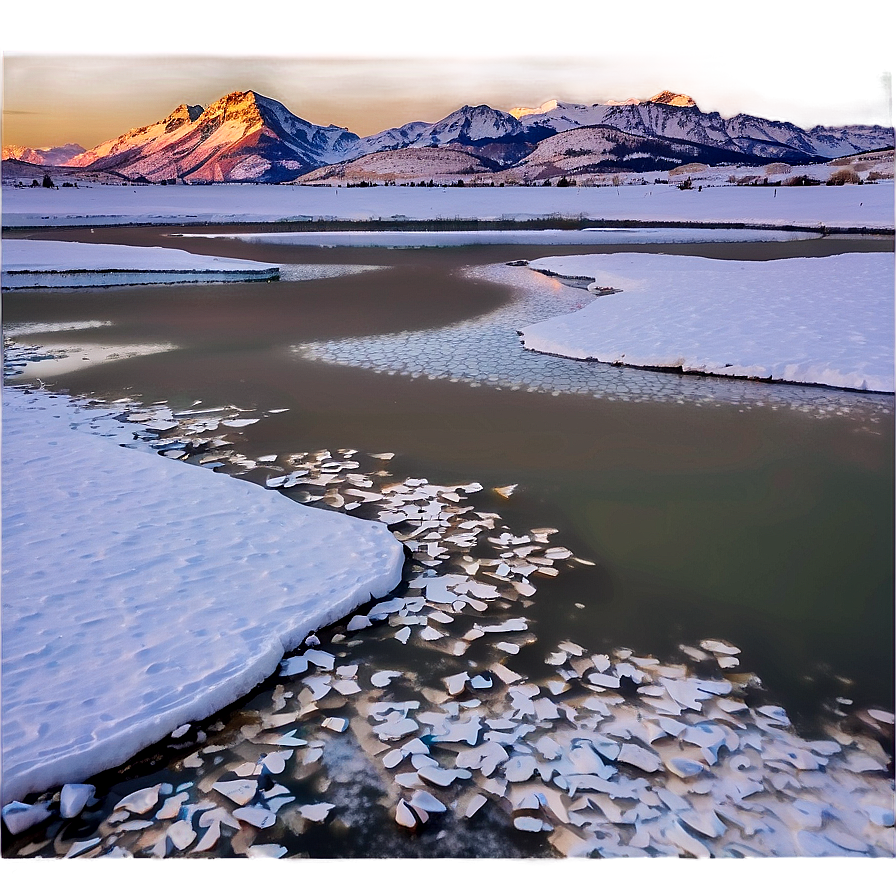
869,205
590,236
42,263
828,320
140,593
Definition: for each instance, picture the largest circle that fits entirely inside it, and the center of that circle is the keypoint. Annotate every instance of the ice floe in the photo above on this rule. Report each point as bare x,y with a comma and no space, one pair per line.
807,320
99,699
53,263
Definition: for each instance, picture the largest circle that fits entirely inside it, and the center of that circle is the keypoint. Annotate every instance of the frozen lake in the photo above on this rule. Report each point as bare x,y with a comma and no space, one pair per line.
759,514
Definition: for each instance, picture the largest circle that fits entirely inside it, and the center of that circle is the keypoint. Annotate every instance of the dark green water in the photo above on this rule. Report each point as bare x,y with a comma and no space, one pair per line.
770,528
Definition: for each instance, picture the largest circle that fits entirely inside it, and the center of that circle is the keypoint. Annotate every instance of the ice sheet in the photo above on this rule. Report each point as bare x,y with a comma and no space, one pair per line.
807,320
42,263
140,593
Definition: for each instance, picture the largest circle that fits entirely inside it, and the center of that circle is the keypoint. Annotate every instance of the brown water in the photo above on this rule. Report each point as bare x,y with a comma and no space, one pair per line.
770,528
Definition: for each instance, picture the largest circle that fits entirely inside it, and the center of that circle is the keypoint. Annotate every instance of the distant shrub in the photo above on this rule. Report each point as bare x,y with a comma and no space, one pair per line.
877,175
843,176
686,184
48,182
800,180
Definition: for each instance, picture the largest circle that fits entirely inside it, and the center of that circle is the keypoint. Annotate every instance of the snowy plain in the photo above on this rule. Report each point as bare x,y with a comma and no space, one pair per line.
590,236
852,206
145,593
827,321
43,263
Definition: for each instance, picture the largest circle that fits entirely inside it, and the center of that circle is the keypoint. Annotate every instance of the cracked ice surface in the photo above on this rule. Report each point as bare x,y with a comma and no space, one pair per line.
487,351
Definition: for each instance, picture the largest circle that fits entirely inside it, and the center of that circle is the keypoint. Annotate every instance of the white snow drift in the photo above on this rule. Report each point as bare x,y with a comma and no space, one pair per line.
805,320
43,263
140,593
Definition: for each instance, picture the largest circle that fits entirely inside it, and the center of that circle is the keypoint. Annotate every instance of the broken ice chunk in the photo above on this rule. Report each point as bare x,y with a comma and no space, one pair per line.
80,847
404,816
424,800
241,792
73,799
334,723
505,491
683,768
257,816
21,816
181,834
454,684
295,665
141,801
321,659
316,811
382,678
723,647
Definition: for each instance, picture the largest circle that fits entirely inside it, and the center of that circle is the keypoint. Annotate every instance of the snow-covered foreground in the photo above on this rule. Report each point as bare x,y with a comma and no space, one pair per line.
43,263
806,320
140,594
863,206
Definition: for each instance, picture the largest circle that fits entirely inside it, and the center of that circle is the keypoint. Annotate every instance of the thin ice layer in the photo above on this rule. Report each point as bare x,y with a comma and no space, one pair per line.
43,263
140,593
806,320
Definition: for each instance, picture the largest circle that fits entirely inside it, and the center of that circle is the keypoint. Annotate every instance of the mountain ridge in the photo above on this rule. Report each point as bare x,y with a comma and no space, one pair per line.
245,136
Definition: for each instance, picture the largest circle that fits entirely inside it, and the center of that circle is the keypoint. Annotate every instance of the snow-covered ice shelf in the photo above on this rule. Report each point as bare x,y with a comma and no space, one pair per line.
50,263
140,594
865,206
826,321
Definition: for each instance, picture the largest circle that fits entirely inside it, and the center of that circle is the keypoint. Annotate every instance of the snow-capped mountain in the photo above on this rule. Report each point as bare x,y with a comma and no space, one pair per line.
43,155
834,142
471,125
243,136
393,138
677,116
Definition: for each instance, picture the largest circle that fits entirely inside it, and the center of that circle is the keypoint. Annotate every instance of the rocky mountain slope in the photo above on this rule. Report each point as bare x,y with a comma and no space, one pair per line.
245,136
43,155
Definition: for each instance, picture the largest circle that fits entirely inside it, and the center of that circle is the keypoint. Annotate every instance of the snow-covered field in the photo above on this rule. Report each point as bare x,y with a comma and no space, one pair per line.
807,320
140,593
43,263
862,206
590,236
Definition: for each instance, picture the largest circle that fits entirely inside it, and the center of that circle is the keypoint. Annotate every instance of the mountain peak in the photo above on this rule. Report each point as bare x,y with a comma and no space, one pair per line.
520,111
668,98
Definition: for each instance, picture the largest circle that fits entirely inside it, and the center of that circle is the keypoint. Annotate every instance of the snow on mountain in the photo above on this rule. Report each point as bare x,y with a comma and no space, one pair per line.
677,116
43,155
242,136
520,111
833,142
393,138
245,136
471,125
668,98
606,150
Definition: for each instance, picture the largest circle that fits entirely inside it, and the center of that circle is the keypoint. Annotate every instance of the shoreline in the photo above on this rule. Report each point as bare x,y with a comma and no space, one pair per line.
861,759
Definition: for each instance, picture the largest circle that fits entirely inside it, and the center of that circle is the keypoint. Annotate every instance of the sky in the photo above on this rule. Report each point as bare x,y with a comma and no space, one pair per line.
368,66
